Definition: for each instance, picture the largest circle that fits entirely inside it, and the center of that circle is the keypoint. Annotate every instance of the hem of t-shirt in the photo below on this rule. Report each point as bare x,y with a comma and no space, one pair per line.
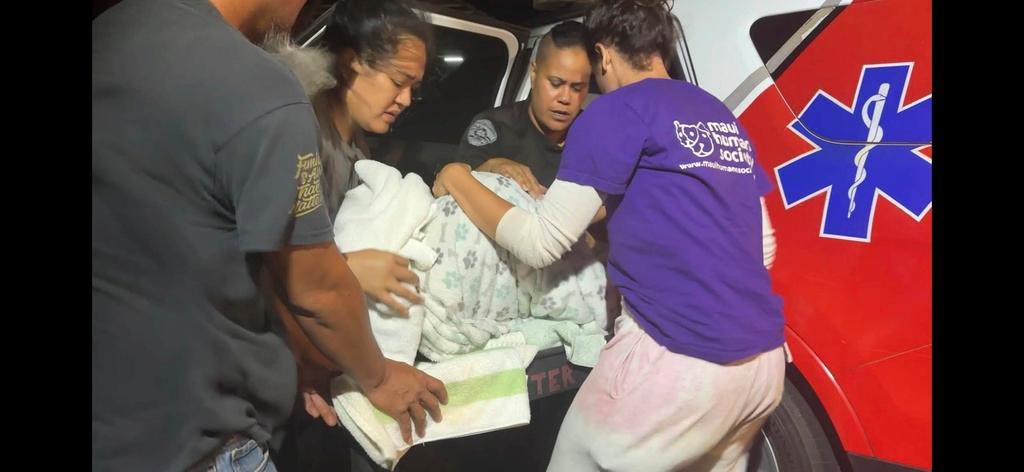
598,184
717,356
258,433
304,239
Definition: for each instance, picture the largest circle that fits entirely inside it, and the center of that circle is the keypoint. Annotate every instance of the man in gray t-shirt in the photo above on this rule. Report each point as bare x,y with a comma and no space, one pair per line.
205,172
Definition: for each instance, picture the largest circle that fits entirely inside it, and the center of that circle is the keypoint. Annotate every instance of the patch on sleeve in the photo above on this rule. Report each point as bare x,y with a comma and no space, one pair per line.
307,178
482,132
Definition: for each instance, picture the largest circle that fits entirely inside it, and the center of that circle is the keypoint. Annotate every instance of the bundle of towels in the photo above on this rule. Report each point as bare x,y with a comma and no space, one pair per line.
484,315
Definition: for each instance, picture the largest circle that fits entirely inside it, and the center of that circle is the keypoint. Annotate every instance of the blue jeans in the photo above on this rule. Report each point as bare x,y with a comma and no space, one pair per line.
241,455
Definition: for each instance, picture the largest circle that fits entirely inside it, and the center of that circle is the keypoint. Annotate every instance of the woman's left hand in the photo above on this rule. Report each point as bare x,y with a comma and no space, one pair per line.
440,188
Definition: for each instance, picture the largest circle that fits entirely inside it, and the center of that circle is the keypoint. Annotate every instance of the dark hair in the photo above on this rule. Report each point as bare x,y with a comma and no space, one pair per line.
373,28
567,34
636,29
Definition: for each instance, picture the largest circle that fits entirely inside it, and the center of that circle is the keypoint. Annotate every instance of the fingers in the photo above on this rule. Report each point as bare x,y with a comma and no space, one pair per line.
432,405
436,387
404,426
439,189
405,275
533,186
524,177
517,174
419,419
310,408
324,411
392,303
406,293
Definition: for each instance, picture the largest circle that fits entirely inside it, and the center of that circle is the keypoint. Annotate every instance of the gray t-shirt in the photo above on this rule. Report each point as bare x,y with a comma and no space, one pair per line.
204,155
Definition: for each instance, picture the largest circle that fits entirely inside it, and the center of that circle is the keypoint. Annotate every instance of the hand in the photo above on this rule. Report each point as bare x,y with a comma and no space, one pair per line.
383,274
317,407
407,393
515,171
314,383
440,188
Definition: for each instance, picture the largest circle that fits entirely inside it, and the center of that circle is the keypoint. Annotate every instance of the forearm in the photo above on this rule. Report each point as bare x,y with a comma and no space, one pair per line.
329,310
767,237
541,238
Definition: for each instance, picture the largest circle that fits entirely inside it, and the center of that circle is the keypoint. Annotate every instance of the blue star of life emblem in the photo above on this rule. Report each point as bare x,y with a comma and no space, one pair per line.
856,165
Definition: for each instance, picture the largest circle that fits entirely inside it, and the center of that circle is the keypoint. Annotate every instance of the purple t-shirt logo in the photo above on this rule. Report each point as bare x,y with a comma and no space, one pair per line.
696,138
702,138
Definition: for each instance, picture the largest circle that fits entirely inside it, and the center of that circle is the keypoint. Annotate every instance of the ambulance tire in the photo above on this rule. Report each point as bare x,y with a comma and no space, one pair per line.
792,439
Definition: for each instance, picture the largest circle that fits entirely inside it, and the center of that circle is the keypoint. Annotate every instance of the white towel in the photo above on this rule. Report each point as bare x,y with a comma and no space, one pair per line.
486,392
388,212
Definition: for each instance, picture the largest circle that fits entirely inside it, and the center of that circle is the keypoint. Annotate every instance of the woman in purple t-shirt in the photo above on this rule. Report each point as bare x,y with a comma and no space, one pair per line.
697,363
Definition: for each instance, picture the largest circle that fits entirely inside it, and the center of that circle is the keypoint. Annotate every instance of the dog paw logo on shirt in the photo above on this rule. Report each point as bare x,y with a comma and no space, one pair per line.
696,138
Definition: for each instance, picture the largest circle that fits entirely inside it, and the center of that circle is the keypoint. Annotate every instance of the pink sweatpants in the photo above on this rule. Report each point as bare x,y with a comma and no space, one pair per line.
644,408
